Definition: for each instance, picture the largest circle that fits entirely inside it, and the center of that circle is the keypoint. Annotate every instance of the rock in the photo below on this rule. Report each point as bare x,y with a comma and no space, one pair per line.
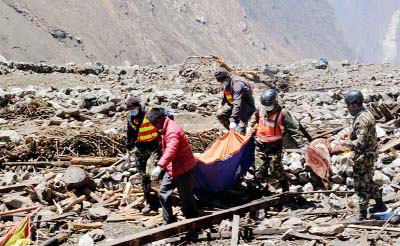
86,240
10,136
380,178
337,179
97,234
98,213
350,182
380,132
17,201
117,176
291,222
331,230
103,109
345,63
296,167
9,178
270,223
308,187
66,113
388,171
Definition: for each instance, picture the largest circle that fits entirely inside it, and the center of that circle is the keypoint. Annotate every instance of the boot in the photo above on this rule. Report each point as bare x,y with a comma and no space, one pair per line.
150,204
285,185
146,209
379,206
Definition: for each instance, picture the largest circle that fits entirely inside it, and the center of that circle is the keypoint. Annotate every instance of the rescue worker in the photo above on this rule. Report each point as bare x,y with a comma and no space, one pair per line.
269,125
142,138
237,105
178,161
363,141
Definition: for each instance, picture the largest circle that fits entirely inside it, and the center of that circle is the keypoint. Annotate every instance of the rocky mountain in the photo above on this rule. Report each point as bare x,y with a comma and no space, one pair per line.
370,27
167,31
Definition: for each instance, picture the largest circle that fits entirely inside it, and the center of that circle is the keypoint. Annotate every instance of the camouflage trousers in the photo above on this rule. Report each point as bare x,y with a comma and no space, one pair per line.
147,155
224,115
269,156
364,186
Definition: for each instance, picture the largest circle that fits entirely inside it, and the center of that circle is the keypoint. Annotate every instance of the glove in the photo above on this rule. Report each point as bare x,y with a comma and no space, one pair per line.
232,125
249,130
303,150
156,173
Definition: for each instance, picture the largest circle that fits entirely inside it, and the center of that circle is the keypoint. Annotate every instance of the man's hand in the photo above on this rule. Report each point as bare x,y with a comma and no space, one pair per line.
303,150
249,130
155,174
232,125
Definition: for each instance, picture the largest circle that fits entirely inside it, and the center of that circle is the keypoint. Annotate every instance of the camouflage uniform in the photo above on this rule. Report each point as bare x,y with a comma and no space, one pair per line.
147,155
363,141
270,153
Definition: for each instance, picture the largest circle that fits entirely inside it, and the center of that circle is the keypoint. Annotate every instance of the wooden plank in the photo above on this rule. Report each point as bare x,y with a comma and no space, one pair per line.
162,232
394,152
385,111
392,229
235,230
390,144
19,210
17,187
395,109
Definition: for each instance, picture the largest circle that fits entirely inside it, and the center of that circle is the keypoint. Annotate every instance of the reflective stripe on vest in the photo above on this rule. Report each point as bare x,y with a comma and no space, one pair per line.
228,96
147,132
267,131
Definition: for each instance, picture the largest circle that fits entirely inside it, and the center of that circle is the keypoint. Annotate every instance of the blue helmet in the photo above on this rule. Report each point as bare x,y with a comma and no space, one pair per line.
268,97
354,96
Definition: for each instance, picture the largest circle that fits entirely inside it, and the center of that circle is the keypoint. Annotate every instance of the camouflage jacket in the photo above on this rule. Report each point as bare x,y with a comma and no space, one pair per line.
363,139
290,123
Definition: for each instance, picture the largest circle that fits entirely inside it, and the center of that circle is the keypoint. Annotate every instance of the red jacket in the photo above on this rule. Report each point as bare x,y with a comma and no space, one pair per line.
177,156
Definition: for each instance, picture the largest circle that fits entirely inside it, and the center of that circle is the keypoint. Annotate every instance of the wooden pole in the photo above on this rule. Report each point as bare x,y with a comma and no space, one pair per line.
186,225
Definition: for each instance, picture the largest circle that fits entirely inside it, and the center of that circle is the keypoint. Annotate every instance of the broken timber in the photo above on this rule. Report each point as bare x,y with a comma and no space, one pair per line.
16,187
159,233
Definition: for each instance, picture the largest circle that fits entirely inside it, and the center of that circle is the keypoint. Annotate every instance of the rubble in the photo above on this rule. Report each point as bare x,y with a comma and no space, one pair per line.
63,148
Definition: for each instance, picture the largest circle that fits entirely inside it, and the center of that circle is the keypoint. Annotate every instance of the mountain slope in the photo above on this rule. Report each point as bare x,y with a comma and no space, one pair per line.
167,31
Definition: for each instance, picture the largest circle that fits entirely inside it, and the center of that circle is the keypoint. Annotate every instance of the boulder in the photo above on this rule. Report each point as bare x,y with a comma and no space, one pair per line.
331,230
98,213
103,109
10,136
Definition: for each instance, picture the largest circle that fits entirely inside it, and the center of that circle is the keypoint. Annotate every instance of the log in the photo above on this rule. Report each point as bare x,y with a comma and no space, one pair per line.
235,230
58,217
99,161
38,163
84,226
74,202
92,195
19,210
56,240
385,111
75,178
159,233
16,187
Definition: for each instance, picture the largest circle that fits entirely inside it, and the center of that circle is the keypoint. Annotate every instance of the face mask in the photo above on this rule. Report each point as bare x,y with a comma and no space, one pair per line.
269,108
133,112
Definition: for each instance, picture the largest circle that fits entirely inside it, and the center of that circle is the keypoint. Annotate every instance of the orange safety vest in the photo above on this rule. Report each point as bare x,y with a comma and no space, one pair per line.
270,129
228,96
147,132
